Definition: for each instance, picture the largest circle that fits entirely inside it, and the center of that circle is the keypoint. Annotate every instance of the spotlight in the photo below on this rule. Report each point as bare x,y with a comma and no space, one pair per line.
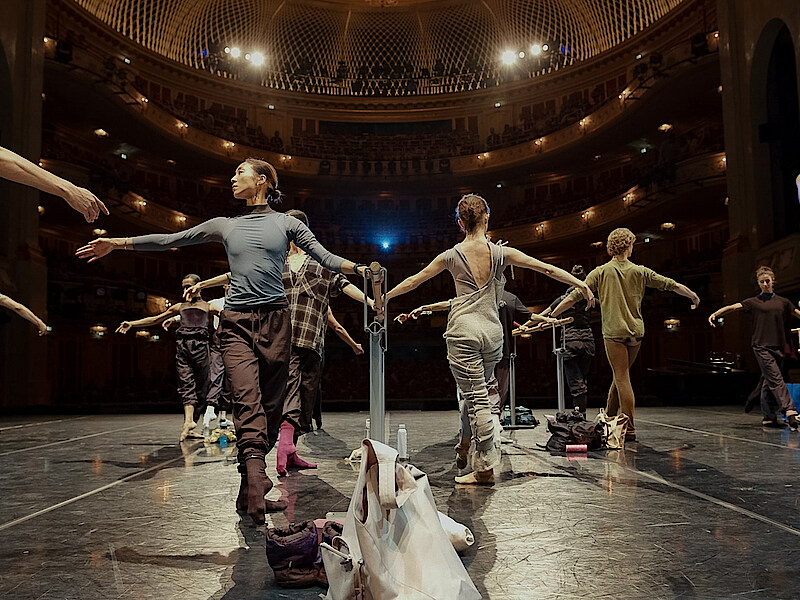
227,49
545,47
257,59
235,52
247,56
508,57
385,244
521,54
536,49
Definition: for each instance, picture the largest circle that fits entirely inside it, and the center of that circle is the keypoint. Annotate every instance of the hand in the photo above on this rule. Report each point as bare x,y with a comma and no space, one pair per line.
191,291
124,327
371,303
42,327
85,202
358,349
414,314
588,295
711,319
96,249
360,271
695,301
167,324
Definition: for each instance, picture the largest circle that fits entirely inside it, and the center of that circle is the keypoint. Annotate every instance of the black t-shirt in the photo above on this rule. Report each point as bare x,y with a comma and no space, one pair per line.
512,309
770,319
581,316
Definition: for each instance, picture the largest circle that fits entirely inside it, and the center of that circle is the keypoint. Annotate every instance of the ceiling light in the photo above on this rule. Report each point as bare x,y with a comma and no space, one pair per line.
665,127
521,54
257,59
508,57
536,49
227,49
545,47
235,52
101,132
667,226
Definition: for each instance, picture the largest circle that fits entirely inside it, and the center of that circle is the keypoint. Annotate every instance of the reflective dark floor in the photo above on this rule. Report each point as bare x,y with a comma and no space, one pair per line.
705,505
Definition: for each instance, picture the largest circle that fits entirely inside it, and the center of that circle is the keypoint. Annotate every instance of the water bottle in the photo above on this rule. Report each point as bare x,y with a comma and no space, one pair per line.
402,442
223,435
366,430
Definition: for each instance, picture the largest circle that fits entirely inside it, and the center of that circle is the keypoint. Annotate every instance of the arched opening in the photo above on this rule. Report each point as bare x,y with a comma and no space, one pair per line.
777,113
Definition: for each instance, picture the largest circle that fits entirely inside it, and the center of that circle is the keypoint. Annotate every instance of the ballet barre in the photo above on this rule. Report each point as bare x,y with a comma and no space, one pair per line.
559,349
375,278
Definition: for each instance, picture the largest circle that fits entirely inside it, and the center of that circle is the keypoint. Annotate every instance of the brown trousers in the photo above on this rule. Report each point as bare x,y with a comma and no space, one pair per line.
256,345
621,355
302,391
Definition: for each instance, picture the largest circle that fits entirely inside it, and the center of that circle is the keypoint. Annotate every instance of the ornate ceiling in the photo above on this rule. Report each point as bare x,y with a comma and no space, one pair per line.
403,47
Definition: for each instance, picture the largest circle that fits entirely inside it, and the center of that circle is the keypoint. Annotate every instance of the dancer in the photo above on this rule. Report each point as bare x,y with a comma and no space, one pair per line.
24,312
357,349
20,170
255,328
191,349
620,286
579,343
771,315
474,334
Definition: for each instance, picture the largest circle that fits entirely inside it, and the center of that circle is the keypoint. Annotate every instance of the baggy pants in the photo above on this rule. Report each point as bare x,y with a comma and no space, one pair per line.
774,393
256,345
219,393
191,362
302,390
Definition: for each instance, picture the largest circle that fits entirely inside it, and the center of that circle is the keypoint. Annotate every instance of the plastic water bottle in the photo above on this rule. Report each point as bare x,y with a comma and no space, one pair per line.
366,430
402,442
223,435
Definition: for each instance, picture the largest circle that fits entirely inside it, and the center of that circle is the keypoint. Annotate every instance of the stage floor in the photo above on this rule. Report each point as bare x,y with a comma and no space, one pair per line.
705,505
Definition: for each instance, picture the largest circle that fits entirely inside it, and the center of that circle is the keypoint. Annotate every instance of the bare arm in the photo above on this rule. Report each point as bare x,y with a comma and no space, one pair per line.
540,318
24,312
339,330
223,279
352,291
148,321
410,283
415,314
21,170
520,259
723,311
565,304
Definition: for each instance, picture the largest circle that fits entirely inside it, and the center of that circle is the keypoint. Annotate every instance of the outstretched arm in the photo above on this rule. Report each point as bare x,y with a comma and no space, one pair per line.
565,304
684,291
409,283
339,330
415,314
723,311
352,291
21,170
223,279
520,259
209,231
173,310
24,312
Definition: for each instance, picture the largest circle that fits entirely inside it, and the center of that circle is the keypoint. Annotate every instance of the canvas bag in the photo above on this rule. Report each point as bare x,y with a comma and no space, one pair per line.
393,546
614,429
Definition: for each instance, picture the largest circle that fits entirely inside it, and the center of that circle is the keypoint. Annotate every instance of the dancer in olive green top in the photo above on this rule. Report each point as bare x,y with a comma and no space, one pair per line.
620,285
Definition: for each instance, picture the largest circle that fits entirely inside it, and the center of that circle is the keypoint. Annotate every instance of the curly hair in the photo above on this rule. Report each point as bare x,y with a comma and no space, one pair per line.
579,272
470,210
764,270
619,240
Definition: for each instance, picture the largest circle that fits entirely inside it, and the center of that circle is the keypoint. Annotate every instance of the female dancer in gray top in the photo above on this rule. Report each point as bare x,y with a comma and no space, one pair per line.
474,333
255,328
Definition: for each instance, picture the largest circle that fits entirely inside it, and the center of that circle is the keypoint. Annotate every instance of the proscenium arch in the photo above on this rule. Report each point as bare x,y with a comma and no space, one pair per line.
775,131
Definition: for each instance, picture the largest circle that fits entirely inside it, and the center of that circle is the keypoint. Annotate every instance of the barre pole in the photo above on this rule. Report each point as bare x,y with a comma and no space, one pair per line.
375,277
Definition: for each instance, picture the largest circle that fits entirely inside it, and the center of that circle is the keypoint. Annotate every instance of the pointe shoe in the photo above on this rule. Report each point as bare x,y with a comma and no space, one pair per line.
477,478
295,461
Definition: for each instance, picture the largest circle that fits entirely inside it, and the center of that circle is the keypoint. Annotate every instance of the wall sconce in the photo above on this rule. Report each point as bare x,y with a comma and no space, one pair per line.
98,331
672,325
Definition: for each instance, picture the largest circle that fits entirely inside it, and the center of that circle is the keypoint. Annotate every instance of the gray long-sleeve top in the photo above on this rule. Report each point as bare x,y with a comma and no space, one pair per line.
256,244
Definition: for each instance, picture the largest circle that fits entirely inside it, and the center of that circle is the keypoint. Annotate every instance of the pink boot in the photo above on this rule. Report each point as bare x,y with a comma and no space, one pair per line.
285,447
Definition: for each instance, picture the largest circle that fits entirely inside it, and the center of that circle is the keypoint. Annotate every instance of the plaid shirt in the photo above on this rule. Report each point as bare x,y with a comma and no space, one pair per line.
309,291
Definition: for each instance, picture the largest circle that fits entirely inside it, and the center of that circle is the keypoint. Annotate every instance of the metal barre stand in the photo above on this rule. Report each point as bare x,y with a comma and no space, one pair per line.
559,349
375,276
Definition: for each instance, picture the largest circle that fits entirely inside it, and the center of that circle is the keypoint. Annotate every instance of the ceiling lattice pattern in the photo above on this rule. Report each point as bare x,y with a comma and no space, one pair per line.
345,47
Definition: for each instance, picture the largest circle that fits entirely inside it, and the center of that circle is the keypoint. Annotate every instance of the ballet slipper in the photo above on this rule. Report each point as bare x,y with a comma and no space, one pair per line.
477,478
295,461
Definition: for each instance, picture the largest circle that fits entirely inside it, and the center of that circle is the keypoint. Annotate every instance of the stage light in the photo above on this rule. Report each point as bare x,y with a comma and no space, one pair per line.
508,57
499,185
643,151
672,325
667,226
639,56
247,56
497,105
521,54
545,47
236,52
227,49
101,132
536,49
126,60
123,156
647,240
257,59
385,244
